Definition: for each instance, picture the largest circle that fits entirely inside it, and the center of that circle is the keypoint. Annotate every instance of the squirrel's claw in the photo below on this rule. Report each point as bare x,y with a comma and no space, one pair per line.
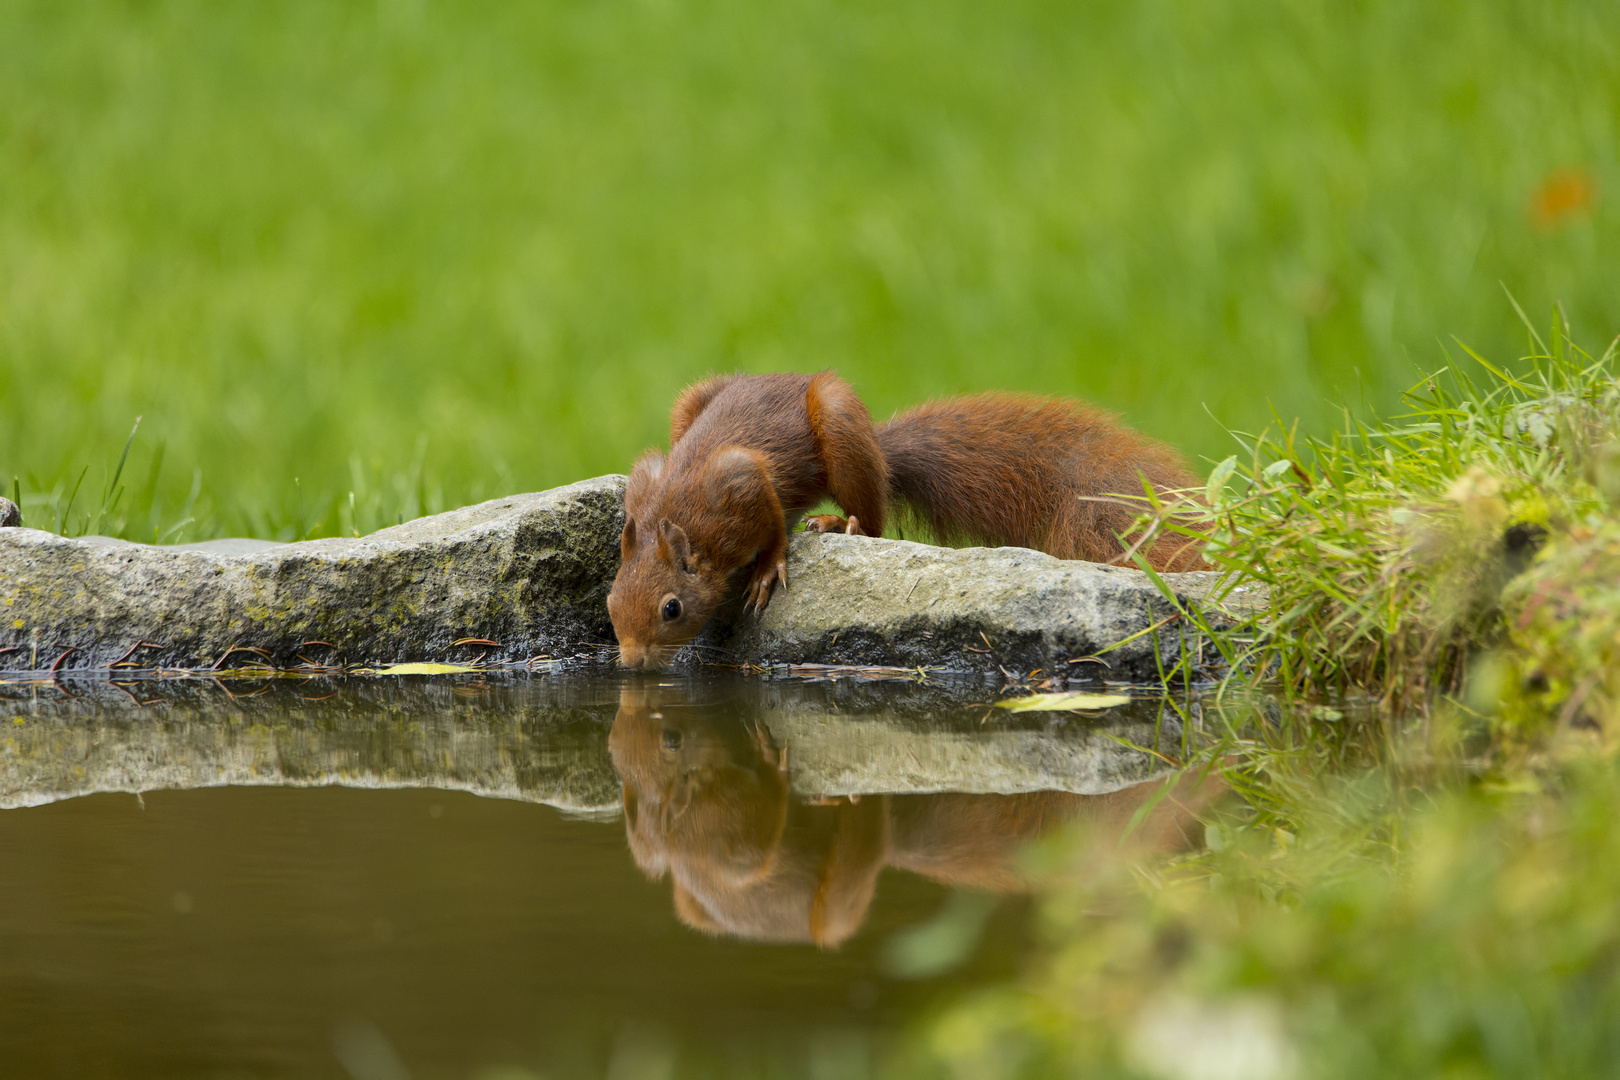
757,593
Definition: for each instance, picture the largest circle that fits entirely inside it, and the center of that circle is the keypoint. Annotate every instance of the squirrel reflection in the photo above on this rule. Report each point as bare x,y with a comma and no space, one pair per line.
706,801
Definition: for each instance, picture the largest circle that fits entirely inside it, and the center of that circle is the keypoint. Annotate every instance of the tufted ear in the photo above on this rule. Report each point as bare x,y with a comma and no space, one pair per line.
641,490
673,546
627,541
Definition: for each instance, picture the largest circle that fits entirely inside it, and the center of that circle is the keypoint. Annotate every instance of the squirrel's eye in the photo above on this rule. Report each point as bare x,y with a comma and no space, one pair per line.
672,608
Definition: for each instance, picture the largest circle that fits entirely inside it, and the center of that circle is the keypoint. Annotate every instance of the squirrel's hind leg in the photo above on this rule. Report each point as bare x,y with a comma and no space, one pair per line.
857,476
832,523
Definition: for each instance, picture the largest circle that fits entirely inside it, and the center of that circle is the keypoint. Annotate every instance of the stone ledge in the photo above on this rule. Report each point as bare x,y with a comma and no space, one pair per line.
529,571
532,572
893,603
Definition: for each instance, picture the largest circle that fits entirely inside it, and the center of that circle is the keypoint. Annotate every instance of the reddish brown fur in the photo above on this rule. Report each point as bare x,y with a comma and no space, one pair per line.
749,454
1004,469
707,803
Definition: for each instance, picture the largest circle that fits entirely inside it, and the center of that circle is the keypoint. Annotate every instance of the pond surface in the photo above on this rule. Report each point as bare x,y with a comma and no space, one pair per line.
522,876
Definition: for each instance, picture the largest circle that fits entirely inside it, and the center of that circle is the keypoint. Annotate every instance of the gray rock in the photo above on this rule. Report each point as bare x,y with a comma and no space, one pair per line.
231,545
532,572
10,514
529,571
865,601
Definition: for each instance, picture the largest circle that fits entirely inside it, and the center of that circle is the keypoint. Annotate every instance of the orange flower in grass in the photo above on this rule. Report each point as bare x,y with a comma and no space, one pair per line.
1562,195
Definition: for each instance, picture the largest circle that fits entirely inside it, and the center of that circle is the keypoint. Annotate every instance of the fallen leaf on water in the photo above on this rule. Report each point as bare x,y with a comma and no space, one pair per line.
1062,702
420,669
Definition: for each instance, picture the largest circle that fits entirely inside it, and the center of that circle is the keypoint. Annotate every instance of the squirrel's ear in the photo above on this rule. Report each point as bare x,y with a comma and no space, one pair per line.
642,487
673,545
627,542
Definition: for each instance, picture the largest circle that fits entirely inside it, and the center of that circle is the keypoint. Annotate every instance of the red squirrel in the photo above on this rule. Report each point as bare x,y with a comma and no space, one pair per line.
750,453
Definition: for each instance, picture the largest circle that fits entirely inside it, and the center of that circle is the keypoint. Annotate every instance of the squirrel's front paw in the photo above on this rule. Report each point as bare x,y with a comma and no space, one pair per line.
757,593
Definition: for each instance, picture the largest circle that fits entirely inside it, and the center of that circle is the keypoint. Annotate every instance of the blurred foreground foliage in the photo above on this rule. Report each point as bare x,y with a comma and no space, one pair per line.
1483,940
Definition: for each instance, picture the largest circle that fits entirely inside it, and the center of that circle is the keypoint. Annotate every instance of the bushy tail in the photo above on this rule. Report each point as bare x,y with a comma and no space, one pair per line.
1000,469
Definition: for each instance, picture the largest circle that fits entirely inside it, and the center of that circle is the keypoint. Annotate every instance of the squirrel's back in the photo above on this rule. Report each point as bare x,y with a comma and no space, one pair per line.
1005,469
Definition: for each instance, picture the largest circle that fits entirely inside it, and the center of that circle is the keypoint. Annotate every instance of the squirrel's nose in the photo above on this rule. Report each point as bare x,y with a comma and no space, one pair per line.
632,654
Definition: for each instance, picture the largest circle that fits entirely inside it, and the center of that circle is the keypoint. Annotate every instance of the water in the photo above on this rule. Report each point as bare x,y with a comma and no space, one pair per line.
510,877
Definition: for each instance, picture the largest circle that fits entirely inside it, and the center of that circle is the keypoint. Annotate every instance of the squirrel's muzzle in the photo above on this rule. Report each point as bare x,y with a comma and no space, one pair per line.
634,654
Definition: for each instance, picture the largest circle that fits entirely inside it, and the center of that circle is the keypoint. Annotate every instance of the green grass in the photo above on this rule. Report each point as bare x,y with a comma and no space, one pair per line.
1402,555
427,253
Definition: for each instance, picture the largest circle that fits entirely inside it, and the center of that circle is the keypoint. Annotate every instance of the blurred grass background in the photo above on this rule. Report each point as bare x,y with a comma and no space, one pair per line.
354,262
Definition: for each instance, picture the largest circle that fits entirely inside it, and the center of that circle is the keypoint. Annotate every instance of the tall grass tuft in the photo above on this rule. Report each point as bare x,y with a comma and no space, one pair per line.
378,495
1397,552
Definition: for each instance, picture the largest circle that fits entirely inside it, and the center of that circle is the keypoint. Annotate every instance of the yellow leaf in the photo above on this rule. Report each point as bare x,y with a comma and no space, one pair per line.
1062,702
420,669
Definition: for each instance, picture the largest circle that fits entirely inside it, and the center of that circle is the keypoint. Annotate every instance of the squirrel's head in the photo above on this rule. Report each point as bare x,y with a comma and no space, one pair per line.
663,594
665,589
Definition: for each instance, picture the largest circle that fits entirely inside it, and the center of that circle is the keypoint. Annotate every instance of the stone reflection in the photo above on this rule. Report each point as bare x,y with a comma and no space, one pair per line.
708,803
